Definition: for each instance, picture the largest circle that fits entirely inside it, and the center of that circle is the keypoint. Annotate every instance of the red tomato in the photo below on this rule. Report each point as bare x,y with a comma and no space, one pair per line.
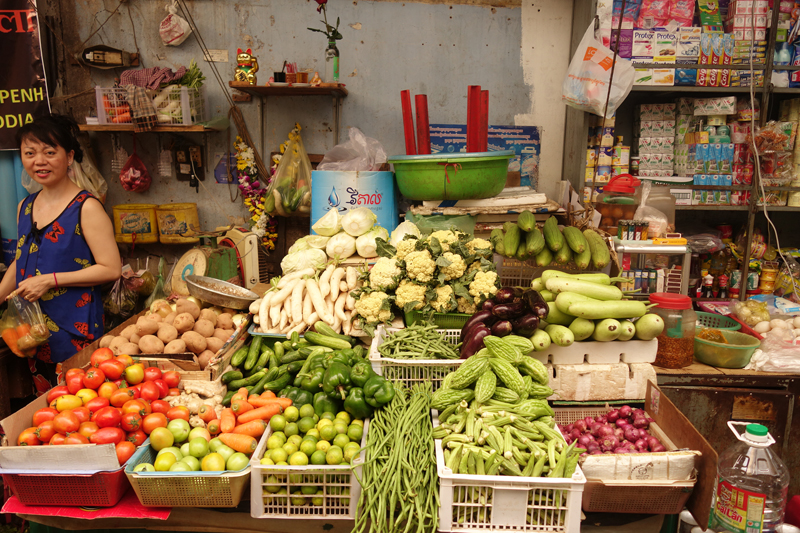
107,436
160,406
98,403
87,429
74,383
125,359
72,372
55,392
152,421
120,383
152,373
112,368
131,421
107,417
172,378
137,437
124,451
135,406
83,414
45,431
76,438
66,422
28,438
120,396
100,355
163,389
57,439
174,391
93,378
44,414
179,411
134,374
150,391
107,389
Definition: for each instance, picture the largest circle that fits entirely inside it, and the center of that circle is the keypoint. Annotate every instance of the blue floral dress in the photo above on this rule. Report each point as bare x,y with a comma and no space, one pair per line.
74,315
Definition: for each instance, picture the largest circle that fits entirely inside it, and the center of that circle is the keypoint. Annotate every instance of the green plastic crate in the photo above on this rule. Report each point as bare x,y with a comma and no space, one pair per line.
713,320
442,320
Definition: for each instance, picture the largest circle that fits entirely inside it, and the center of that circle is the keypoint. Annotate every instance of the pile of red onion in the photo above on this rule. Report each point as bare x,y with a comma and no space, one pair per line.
622,430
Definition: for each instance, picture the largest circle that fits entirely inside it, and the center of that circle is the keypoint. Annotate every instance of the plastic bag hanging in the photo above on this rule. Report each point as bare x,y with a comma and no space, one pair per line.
173,29
134,175
289,193
23,327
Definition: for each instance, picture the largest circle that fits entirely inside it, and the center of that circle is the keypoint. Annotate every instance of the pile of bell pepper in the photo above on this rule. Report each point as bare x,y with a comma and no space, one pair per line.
339,379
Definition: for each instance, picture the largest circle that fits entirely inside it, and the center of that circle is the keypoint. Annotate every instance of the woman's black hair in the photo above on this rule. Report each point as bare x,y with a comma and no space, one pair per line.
53,130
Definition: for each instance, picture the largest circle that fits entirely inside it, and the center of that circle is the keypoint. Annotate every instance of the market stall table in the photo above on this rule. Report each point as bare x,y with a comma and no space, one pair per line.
5,396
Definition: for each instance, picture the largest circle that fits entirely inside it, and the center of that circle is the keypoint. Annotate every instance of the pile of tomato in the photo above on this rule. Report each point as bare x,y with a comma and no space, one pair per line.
114,401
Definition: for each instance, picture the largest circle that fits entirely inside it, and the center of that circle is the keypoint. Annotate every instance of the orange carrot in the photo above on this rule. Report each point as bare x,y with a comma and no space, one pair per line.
253,397
121,118
254,428
240,406
227,420
241,394
240,443
268,394
262,413
261,402
207,413
213,427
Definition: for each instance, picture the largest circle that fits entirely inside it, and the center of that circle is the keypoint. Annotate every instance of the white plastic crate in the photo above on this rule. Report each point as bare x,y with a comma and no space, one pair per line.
412,371
175,105
507,503
599,353
338,483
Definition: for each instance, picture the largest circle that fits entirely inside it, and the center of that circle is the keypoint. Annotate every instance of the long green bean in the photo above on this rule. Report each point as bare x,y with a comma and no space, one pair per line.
420,341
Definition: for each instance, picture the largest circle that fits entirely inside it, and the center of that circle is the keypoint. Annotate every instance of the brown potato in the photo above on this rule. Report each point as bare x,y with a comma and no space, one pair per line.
221,334
204,358
145,326
155,317
167,333
129,348
161,307
117,343
135,338
224,321
195,342
176,346
186,306
170,318
204,327
210,315
151,344
128,331
183,322
214,344
106,340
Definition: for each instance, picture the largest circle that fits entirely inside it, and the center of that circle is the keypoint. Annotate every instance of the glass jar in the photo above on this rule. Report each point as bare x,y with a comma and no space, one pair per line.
331,62
676,342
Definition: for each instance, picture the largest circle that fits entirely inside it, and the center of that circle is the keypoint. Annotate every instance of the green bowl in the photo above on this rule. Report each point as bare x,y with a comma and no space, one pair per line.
462,176
735,354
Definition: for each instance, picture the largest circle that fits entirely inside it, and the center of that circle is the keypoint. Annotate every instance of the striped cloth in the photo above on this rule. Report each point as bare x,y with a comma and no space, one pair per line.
143,111
151,78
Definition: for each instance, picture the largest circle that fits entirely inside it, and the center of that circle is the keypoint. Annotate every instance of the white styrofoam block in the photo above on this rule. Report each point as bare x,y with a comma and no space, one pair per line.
639,351
589,382
636,383
599,353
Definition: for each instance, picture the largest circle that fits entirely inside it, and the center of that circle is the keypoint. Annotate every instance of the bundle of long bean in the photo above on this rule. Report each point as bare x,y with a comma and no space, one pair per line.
400,486
420,341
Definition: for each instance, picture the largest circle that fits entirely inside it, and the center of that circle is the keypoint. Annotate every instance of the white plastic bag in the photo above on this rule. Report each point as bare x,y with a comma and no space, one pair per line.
359,153
586,83
173,29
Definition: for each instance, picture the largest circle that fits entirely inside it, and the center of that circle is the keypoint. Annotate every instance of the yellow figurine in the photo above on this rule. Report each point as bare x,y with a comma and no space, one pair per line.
247,66
316,81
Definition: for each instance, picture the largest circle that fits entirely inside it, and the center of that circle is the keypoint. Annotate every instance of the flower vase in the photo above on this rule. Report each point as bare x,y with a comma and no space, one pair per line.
332,63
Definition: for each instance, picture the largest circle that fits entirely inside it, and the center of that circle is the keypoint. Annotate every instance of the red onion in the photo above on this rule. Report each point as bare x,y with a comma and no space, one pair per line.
596,451
621,450
580,425
609,442
631,434
589,421
586,441
595,428
568,439
641,445
592,447
620,434
625,411
601,419
570,427
622,423
641,423
652,442
658,448
605,431
612,415
575,434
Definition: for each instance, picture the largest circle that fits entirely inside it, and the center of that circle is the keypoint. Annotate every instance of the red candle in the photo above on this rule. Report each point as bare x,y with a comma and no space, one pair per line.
484,130
473,118
423,126
408,123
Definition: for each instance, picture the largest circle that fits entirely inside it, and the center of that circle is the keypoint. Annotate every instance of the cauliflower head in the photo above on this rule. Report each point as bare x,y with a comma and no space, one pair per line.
408,292
420,266
374,307
456,267
384,274
479,246
405,247
466,306
444,301
445,237
483,286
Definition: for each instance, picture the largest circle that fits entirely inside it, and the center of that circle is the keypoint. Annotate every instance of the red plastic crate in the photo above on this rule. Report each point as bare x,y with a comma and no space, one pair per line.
101,489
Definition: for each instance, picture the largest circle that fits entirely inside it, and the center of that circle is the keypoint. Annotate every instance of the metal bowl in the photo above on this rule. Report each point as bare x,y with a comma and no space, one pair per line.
218,292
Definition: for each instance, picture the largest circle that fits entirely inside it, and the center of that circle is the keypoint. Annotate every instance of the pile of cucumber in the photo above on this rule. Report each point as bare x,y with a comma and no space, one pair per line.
588,307
524,241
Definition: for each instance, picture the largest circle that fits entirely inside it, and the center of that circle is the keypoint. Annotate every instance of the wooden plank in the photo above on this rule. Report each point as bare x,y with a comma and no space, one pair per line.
174,128
264,90
695,369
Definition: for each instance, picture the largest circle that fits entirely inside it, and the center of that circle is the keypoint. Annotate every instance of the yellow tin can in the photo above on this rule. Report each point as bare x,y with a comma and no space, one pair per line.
135,223
176,223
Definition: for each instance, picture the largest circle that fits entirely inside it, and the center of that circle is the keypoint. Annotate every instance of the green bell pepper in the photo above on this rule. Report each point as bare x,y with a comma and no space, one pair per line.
299,396
378,391
356,404
361,373
336,380
313,381
324,404
335,357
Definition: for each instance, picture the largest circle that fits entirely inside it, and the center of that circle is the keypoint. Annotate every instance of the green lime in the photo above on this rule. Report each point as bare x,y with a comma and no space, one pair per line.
309,489
281,463
273,442
298,500
328,416
291,413
313,432
298,459
164,461
358,422
308,447
214,443
194,462
185,449
295,439
340,426
315,417
355,432
272,485
318,458
225,452
328,432
267,461
180,466
323,445
306,410
305,424
277,422
291,429
343,415
350,450
290,448
341,440
278,454
334,455
323,422
319,500
312,438
281,435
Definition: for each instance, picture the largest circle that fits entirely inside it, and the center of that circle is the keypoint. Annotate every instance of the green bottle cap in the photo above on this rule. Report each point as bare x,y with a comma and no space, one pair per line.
757,429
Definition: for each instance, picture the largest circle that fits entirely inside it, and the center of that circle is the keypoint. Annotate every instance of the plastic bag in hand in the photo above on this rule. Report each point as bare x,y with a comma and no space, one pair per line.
23,326
134,175
359,153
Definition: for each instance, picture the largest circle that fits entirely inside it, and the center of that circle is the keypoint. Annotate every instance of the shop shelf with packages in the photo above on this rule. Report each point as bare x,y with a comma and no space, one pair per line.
413,371
174,105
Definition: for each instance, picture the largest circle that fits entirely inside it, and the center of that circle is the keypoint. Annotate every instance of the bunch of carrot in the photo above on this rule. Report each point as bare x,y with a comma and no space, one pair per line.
242,424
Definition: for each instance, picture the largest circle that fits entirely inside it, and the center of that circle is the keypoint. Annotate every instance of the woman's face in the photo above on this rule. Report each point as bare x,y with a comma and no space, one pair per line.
47,165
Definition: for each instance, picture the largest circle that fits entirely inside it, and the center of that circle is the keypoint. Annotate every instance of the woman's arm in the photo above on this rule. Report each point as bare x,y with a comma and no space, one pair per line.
99,234
9,282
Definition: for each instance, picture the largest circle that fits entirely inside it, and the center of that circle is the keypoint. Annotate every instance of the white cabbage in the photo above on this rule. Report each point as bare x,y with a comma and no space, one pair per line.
329,225
403,229
341,246
311,258
358,221
365,244
317,241
298,246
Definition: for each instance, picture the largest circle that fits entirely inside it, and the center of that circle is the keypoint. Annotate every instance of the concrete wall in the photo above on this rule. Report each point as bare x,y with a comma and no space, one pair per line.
436,49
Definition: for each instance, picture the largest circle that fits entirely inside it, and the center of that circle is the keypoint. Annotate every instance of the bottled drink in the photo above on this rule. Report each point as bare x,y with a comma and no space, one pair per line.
331,62
752,484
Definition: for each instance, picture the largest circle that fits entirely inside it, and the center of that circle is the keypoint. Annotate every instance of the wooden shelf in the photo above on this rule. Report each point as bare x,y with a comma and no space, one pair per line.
738,66
711,208
174,128
264,90
688,89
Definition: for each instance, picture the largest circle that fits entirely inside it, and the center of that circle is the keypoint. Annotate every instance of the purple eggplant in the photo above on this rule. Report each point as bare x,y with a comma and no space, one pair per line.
481,317
475,341
536,303
503,328
508,295
525,325
510,311
488,304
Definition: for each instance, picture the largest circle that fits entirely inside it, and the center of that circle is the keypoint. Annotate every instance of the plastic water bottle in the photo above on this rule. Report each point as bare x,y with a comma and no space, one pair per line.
752,484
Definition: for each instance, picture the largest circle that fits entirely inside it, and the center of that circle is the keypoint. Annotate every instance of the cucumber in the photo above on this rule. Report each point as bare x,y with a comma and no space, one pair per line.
325,340
606,330
581,328
563,256
246,382
496,236
600,254
560,335
512,239
526,221
541,340
226,401
324,329
534,241
552,235
586,288
238,357
227,377
263,359
575,239
626,330
583,259
544,258
253,353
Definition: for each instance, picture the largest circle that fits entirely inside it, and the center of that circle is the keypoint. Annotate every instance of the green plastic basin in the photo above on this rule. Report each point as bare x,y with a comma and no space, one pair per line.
462,176
735,354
